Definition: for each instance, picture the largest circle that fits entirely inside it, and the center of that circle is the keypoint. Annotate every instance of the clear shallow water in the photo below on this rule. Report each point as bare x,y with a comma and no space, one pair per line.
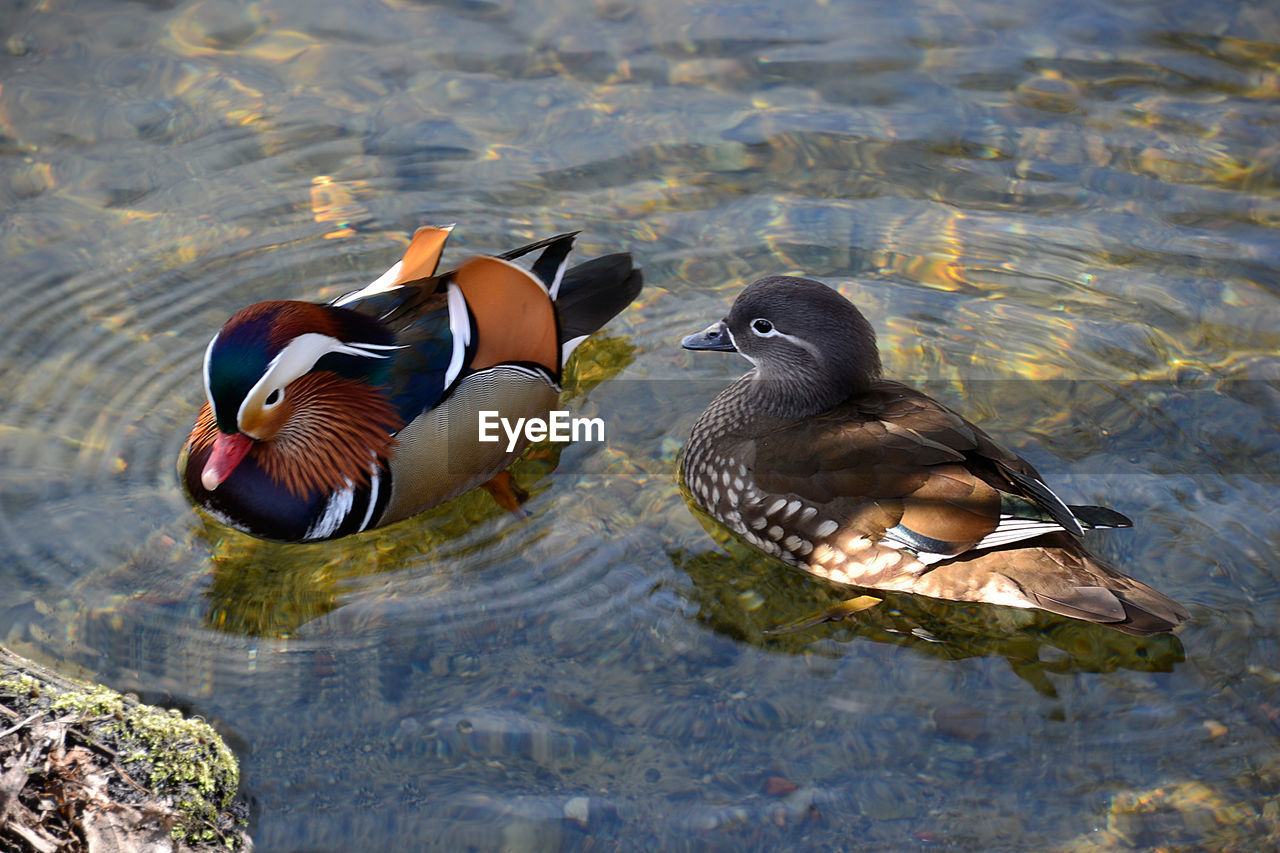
1061,218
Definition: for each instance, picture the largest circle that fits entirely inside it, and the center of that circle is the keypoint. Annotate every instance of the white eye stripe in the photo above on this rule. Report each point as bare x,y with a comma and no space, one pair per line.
775,333
368,350
297,359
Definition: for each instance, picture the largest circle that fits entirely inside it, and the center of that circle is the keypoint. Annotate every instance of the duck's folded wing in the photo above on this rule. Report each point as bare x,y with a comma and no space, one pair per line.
513,316
489,312
938,485
433,348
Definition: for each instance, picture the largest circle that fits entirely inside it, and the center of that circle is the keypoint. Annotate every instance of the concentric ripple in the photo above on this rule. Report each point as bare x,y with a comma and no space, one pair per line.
1060,218
105,370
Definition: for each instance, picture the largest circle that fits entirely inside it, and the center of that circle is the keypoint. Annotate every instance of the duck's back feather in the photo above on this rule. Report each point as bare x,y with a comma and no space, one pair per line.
897,467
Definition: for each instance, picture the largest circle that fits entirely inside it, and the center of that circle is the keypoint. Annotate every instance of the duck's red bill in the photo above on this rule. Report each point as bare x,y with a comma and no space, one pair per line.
228,451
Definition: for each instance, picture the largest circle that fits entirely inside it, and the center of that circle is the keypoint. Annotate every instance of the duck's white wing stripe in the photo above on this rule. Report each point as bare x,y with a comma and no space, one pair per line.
460,329
386,281
1015,530
554,290
567,348
336,509
374,484
1049,501
929,550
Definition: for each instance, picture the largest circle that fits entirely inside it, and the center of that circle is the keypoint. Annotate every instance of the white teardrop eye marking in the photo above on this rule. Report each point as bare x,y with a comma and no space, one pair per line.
763,327
294,361
273,399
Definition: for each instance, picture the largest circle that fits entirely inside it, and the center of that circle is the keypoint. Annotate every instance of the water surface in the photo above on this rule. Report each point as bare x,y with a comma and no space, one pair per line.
1060,217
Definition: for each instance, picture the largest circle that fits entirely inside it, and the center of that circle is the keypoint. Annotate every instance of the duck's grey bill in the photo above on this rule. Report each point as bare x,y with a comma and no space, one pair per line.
714,337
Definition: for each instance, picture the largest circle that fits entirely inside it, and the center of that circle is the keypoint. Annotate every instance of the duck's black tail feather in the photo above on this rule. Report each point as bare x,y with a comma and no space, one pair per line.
1091,517
593,293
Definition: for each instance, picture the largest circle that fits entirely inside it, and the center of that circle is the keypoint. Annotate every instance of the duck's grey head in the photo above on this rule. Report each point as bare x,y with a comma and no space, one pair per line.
810,346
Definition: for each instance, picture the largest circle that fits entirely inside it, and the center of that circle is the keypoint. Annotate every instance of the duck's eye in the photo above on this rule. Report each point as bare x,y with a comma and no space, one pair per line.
762,326
274,397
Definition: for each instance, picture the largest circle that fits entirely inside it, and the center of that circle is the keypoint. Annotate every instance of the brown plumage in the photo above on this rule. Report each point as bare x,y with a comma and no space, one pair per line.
515,322
288,319
330,429
814,459
328,420
923,465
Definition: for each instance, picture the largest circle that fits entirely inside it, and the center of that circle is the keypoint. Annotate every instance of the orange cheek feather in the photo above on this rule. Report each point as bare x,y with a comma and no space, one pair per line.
262,425
227,453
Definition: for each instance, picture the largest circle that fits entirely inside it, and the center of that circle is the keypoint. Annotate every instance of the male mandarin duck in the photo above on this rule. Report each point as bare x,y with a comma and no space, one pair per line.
815,459
327,420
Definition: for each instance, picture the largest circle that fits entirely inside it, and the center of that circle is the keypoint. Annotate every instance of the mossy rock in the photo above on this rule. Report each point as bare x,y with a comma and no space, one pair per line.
86,768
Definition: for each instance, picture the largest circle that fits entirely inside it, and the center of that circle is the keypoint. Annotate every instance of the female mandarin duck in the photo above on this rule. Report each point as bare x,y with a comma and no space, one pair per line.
813,458
326,420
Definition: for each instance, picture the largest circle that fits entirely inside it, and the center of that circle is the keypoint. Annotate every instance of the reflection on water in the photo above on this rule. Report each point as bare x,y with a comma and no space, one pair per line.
746,597
1060,218
264,588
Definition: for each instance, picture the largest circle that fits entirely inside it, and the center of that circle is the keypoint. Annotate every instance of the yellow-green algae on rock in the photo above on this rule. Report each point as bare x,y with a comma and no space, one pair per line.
146,775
